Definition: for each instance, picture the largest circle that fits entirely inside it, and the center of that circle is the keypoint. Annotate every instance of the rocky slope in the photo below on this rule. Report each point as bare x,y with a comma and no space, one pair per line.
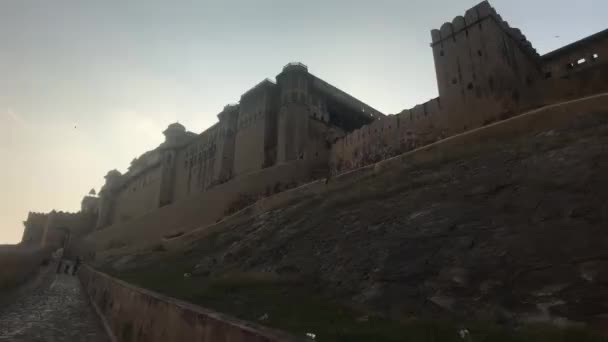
511,232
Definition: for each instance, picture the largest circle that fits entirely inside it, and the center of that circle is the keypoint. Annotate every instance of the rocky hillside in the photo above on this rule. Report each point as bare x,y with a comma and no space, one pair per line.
509,232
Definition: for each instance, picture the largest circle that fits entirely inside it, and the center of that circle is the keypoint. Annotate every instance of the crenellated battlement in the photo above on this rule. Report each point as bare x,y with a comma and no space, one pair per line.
475,16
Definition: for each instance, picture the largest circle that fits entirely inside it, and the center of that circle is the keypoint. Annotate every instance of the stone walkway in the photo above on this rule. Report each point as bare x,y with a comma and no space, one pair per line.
55,310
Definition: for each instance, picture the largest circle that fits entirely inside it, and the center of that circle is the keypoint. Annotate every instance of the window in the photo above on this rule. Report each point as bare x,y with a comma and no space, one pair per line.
548,74
454,81
479,53
470,86
441,53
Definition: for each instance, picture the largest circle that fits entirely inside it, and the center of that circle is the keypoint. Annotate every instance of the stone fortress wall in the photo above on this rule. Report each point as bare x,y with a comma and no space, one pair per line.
486,71
301,128
292,120
55,229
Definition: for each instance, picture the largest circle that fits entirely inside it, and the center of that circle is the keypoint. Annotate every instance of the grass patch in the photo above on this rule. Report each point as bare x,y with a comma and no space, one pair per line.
296,305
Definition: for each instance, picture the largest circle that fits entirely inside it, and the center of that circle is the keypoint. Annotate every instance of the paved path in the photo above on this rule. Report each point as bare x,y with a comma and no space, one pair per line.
55,310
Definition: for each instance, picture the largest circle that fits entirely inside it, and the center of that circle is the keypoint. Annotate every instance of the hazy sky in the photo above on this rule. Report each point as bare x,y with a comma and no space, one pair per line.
86,85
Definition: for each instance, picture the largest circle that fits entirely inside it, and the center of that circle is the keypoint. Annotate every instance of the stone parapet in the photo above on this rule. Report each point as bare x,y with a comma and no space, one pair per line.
131,313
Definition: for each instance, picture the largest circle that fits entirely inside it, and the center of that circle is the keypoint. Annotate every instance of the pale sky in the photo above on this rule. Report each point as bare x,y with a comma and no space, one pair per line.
85,86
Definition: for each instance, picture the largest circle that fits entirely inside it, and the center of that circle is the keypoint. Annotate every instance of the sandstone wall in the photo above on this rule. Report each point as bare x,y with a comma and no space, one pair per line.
485,69
577,56
202,209
138,196
294,113
576,70
195,164
577,83
135,314
557,116
18,263
255,128
34,228
389,136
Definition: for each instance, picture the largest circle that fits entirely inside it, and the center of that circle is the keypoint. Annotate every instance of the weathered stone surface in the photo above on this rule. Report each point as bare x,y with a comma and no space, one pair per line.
135,314
515,230
54,311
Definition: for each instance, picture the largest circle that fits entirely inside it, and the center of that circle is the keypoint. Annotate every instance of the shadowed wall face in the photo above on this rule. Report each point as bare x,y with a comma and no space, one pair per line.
255,125
130,76
293,120
138,196
486,71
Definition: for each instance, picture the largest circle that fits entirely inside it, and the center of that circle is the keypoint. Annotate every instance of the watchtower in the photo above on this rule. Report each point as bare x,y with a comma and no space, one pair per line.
485,69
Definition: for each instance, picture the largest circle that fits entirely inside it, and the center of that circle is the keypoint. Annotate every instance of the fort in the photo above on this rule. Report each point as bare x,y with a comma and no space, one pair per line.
300,128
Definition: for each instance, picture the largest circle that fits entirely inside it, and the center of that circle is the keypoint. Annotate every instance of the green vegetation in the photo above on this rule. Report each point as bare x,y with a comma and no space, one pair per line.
295,305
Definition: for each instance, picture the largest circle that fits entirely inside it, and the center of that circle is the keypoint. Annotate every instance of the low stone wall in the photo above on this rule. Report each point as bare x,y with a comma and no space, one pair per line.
17,263
131,313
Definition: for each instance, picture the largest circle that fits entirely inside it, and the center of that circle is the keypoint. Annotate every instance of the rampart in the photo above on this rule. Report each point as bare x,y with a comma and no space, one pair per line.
486,71
293,120
131,313
56,228
298,128
388,136
552,117
203,209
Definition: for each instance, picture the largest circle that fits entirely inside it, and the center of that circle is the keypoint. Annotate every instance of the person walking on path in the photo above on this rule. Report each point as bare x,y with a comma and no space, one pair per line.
58,266
76,265
58,256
